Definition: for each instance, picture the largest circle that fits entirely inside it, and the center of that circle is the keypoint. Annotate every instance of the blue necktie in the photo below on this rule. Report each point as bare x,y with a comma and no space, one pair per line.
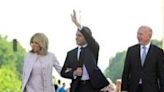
143,56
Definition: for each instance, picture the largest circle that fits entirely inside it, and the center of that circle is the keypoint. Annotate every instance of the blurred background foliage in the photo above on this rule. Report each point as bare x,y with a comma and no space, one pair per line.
10,65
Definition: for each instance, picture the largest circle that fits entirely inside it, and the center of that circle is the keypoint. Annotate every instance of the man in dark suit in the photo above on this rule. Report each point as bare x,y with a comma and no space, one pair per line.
81,63
144,65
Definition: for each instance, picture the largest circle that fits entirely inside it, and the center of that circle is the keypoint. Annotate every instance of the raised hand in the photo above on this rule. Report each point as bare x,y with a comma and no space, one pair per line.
74,19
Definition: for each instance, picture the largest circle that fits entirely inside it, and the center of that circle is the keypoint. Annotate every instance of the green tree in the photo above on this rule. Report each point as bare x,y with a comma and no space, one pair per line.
10,66
114,70
19,54
9,57
9,81
157,43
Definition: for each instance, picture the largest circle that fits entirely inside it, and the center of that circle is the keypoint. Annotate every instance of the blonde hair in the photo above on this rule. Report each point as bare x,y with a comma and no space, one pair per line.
42,40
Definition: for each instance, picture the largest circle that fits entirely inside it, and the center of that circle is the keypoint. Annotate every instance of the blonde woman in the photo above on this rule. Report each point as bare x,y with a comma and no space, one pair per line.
38,65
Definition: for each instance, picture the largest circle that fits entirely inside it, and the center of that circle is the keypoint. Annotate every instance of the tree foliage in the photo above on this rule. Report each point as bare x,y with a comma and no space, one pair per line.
114,70
9,81
9,57
10,65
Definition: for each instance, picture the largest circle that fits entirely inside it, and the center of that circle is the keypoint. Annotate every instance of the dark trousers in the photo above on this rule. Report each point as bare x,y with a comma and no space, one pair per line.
85,86
139,88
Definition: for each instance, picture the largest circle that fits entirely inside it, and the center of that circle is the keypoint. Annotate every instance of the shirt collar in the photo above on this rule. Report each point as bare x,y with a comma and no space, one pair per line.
85,45
147,46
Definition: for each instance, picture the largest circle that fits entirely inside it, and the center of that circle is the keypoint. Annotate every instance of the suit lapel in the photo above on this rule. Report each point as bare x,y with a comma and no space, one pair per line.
138,55
29,62
148,56
74,60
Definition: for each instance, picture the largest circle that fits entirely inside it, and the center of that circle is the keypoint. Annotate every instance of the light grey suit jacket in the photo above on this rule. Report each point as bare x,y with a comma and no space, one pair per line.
47,63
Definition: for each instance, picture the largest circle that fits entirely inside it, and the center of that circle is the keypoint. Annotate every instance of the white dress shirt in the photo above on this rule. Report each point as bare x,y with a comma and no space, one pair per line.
85,75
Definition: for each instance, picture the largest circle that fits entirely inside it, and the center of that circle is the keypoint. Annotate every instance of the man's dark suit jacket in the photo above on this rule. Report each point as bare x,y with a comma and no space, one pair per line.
90,59
151,73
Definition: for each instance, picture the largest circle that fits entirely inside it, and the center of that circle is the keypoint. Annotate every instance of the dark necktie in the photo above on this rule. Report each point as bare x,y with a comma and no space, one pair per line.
80,61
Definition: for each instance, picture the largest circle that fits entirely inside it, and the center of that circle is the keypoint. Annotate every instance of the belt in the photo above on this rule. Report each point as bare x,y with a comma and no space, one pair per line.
84,81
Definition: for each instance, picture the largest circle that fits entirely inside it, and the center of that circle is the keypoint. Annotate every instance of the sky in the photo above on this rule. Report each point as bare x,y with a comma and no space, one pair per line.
114,23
